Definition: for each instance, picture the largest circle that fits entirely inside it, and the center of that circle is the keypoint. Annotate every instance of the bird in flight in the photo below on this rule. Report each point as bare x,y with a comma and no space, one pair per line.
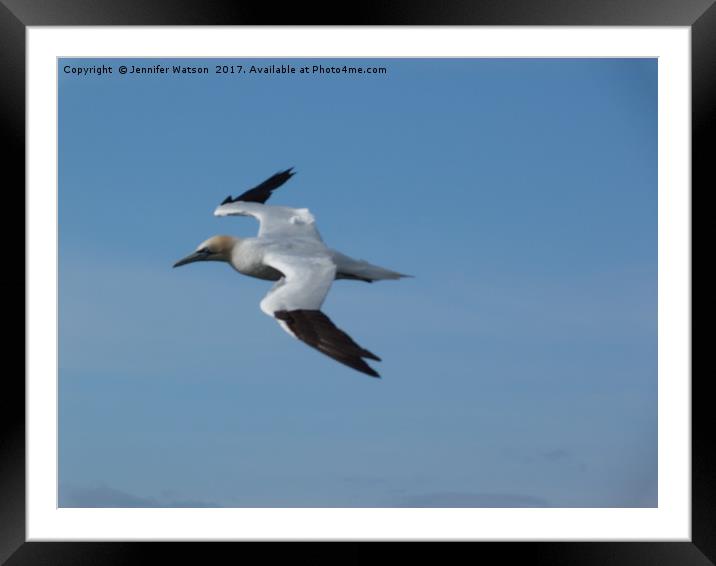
289,250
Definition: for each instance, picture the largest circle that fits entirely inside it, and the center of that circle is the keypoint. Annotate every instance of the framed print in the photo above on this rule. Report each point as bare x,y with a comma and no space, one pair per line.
531,172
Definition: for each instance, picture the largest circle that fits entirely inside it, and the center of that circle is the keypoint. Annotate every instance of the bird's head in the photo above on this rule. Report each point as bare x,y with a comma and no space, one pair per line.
216,248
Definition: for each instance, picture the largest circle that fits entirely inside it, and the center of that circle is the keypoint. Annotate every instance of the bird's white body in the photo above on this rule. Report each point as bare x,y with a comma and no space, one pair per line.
247,257
290,232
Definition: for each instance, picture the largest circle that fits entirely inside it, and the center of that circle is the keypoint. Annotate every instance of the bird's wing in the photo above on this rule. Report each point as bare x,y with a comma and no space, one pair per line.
295,302
261,193
274,221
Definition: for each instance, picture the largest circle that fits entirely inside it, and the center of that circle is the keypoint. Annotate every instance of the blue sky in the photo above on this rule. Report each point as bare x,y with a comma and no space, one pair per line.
519,365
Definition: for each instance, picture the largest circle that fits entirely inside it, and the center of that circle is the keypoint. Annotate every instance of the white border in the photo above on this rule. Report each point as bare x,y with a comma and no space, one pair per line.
670,521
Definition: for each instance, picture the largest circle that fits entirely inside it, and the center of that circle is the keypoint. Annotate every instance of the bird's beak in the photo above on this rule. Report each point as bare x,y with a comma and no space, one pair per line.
196,256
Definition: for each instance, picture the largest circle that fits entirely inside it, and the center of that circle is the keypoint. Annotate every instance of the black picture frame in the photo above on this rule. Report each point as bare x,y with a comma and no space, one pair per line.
16,15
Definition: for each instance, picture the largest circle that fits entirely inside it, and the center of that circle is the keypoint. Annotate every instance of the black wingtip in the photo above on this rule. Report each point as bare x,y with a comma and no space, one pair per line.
262,192
370,355
227,200
318,331
284,175
366,369
361,366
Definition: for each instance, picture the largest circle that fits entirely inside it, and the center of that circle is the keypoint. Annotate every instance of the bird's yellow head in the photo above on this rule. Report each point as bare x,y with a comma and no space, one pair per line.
216,248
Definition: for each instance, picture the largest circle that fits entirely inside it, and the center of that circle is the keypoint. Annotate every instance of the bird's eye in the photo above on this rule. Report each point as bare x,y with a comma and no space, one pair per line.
204,251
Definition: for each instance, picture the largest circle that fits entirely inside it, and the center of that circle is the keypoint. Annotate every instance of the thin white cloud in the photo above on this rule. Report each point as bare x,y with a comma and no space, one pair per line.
104,496
457,499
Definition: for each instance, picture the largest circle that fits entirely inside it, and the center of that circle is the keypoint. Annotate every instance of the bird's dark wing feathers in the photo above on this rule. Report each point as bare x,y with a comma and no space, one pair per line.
261,193
318,331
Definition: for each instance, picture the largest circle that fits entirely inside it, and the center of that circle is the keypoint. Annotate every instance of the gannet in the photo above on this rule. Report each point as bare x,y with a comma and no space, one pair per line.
289,250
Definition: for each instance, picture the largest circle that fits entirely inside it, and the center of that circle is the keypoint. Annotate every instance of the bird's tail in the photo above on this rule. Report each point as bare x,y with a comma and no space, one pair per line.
349,268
